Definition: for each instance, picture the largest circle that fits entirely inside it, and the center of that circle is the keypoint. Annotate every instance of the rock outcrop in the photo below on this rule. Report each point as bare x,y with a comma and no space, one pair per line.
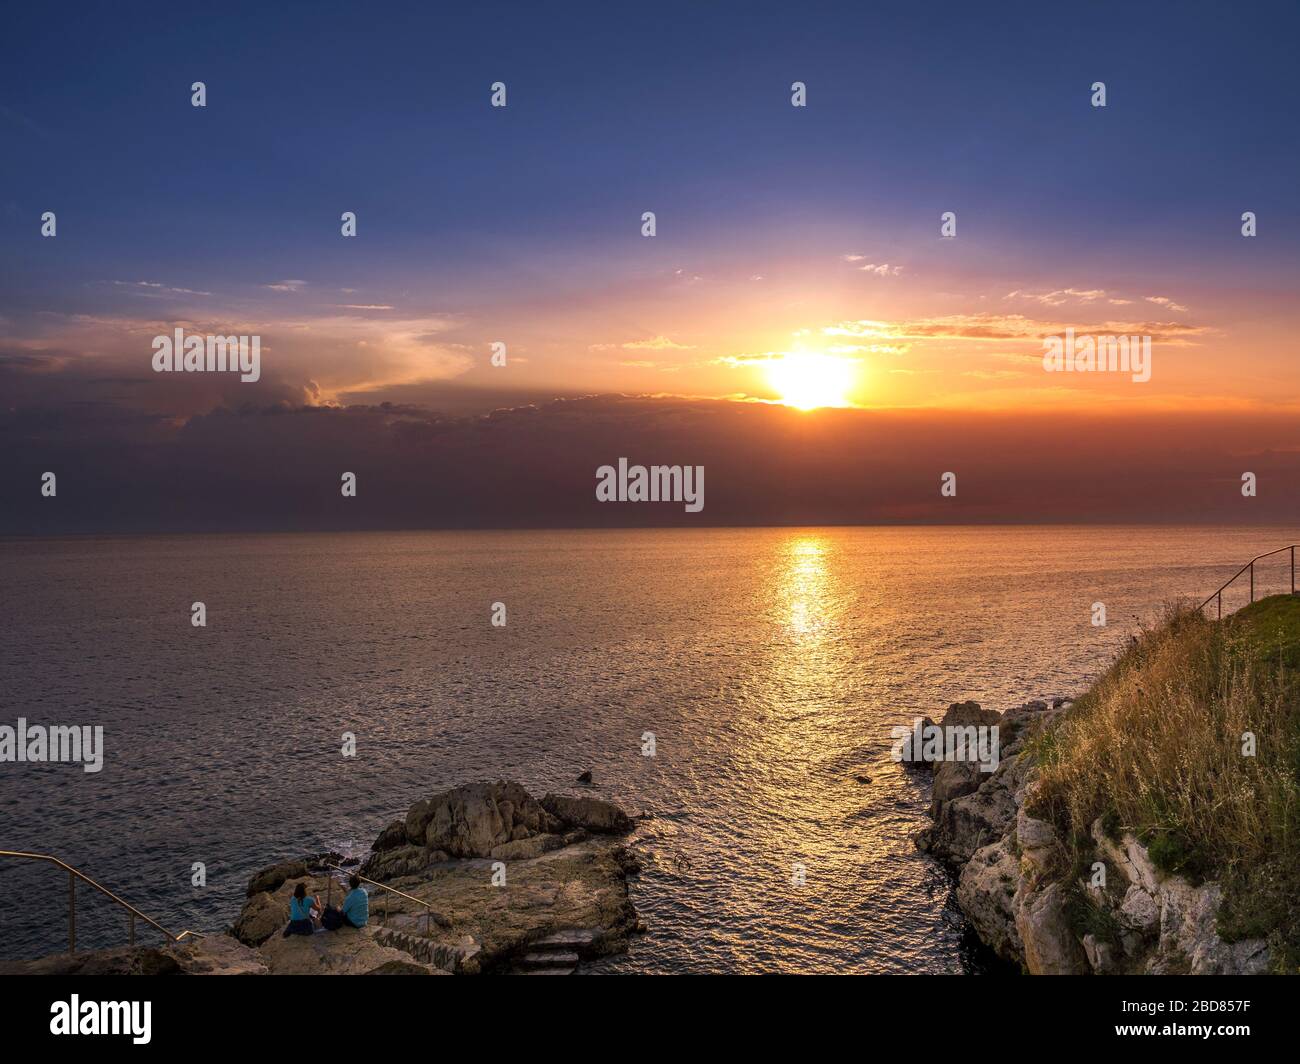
492,872
266,912
501,821
1014,880
271,878
473,820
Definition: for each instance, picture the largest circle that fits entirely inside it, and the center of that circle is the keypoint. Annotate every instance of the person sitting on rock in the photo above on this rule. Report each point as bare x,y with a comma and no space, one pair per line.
355,911
300,912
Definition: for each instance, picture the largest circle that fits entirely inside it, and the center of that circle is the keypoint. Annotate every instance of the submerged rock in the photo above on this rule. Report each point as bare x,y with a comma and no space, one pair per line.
590,814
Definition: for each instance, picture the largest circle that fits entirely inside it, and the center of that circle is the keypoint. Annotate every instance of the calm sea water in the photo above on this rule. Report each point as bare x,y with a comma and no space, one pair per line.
770,664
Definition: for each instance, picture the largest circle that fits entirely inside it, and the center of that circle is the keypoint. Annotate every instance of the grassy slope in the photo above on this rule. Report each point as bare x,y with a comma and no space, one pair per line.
1156,747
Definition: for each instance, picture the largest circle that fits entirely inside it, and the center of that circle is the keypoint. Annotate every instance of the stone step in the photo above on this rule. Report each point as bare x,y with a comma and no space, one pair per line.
447,957
574,937
542,971
548,960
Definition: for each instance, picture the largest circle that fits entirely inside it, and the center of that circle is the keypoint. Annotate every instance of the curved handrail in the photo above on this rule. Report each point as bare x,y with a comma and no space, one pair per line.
431,914
1251,566
75,874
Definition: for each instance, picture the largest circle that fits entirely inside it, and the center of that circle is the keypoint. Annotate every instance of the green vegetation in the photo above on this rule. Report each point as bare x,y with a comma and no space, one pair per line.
1086,917
1083,911
1158,747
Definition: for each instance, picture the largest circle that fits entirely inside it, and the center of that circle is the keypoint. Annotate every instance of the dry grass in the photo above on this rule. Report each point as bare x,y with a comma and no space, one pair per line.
1156,748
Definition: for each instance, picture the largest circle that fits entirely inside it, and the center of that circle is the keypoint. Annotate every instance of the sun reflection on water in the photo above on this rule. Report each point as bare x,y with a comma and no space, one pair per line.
804,588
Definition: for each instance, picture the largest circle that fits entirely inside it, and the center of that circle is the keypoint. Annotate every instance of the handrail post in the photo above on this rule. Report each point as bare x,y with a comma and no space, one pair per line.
1293,568
1252,581
73,876
130,928
1218,596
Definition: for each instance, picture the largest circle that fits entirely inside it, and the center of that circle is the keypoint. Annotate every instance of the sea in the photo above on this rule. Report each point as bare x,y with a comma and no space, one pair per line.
735,688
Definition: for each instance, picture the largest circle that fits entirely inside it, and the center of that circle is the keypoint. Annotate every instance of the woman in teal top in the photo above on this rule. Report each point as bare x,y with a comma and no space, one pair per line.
300,910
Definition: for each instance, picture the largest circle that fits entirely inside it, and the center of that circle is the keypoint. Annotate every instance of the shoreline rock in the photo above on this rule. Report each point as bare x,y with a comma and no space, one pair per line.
213,955
565,872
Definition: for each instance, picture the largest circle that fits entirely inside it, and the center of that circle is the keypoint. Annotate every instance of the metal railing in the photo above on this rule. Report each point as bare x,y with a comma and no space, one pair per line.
73,875
431,915
1217,596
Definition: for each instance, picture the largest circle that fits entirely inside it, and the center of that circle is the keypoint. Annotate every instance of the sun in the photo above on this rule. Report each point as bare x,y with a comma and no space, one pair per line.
806,380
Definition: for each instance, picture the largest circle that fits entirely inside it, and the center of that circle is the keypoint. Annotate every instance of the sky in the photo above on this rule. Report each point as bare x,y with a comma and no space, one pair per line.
797,322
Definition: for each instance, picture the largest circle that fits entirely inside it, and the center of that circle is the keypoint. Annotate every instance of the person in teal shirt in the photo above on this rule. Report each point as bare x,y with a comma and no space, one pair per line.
356,906
300,910
355,911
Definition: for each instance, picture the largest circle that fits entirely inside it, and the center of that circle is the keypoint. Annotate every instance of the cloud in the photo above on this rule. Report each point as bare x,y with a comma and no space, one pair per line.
158,288
1007,327
274,466
1060,296
655,343
757,359
348,351
1167,303
880,269
992,374
949,327
658,343
286,286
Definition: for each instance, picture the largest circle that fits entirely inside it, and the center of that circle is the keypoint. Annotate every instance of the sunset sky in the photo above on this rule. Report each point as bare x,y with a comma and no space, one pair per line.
781,231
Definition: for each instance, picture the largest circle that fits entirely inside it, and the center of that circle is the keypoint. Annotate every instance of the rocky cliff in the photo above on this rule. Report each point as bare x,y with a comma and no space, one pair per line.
1096,904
